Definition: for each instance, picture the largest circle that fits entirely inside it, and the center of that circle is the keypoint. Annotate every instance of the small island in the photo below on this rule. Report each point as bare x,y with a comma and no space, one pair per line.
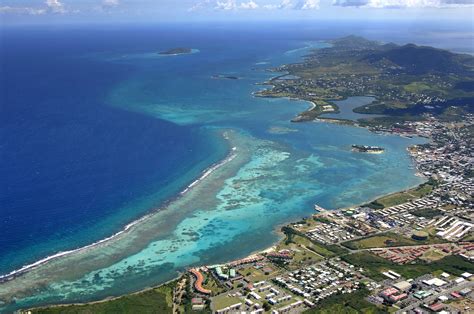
225,77
176,51
367,149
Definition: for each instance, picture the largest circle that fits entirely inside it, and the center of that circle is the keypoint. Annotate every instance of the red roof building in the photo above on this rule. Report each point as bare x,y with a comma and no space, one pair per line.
436,307
198,283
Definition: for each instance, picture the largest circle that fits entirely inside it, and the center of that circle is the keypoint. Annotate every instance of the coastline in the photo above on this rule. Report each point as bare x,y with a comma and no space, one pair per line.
276,229
128,227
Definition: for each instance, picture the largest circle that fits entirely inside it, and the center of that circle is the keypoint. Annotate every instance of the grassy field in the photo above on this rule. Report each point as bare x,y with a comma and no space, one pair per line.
433,255
404,196
211,283
374,266
352,303
158,300
384,240
253,274
427,212
462,304
222,301
296,237
469,237
416,87
315,247
302,249
387,240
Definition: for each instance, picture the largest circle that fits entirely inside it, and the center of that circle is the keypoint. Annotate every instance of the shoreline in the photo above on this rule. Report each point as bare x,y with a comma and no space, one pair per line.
111,298
205,173
276,230
125,229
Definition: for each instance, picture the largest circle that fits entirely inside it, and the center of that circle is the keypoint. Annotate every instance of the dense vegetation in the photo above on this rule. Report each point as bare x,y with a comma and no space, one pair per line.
427,212
294,236
374,265
406,81
418,60
154,301
403,196
352,303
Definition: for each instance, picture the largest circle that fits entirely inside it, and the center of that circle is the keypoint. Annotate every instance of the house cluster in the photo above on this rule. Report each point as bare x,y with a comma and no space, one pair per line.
401,255
253,296
449,158
439,223
424,294
329,232
319,281
349,224
407,254
401,215
294,291
452,228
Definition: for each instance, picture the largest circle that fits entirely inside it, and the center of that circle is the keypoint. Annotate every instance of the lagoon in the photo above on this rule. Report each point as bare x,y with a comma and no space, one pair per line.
347,106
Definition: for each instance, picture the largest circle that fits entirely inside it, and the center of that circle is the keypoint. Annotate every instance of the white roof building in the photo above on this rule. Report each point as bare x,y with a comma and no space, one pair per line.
434,282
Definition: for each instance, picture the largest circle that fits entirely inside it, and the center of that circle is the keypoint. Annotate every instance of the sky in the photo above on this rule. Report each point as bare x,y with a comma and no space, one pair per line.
51,11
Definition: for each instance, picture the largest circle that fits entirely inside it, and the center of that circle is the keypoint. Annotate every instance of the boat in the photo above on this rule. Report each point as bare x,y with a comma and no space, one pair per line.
318,208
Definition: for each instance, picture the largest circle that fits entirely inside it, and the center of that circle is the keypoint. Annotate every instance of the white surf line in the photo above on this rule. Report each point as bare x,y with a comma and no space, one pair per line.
209,171
11,275
29,267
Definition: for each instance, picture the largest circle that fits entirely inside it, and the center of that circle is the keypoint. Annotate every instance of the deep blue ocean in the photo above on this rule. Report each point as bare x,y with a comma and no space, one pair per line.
96,130
68,161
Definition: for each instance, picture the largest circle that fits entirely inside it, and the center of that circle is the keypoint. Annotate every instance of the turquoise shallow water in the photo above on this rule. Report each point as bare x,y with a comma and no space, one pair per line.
276,173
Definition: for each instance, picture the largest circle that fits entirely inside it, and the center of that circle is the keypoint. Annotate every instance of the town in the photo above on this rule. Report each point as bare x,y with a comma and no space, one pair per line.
409,252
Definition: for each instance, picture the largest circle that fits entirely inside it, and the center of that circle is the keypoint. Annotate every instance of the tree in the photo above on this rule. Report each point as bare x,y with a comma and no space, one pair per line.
266,306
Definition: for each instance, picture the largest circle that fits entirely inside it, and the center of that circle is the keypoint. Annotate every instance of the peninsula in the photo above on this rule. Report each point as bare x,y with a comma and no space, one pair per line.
406,81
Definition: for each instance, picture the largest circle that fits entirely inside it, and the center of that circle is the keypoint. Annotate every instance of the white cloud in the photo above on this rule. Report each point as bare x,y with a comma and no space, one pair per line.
21,10
404,3
251,5
310,5
286,4
234,5
228,5
49,6
55,6
200,5
110,3
225,5
295,5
